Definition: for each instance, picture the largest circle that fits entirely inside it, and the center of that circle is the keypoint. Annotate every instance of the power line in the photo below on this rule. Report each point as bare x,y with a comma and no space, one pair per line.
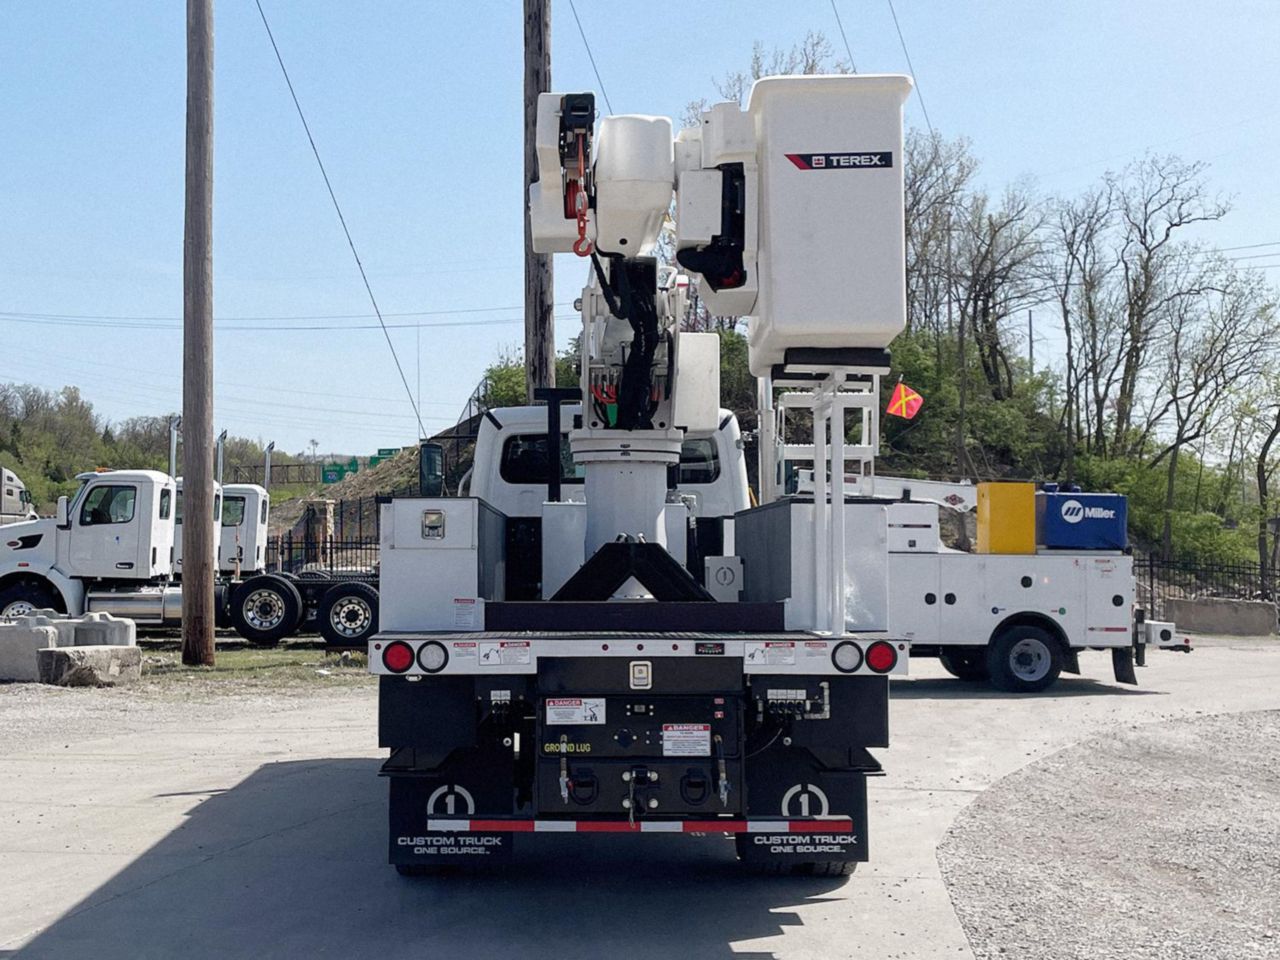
911,67
590,56
1250,246
341,219
317,316
852,66
260,328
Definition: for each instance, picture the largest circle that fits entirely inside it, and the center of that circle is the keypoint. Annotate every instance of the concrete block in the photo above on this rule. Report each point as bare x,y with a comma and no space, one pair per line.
92,666
102,629
1237,618
51,618
19,645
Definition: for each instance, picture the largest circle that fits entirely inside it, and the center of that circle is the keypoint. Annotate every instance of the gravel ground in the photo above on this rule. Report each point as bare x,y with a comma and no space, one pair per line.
1157,841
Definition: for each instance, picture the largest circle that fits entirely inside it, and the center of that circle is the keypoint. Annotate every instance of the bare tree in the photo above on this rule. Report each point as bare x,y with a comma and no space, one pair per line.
1156,197
997,273
1219,338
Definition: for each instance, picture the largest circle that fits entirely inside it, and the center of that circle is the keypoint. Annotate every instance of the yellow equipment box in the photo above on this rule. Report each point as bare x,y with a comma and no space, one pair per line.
1006,518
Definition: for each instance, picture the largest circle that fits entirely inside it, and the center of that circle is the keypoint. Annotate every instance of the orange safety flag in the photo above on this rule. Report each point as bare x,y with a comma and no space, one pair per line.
905,402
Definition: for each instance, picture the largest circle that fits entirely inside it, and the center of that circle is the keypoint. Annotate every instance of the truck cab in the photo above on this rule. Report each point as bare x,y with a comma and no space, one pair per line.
118,530
510,474
245,508
15,501
177,543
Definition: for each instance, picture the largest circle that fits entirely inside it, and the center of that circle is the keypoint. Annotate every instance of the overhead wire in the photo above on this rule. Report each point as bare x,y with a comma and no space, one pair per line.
341,219
847,49
590,56
915,78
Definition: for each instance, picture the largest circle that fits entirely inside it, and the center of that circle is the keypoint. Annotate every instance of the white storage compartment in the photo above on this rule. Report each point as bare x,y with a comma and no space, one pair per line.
832,253
440,559
913,528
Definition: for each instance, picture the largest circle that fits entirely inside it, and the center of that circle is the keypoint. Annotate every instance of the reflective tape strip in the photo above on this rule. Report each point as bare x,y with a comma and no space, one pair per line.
827,825
554,826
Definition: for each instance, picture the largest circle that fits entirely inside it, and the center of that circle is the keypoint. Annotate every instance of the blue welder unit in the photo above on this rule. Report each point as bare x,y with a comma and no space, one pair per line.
1069,520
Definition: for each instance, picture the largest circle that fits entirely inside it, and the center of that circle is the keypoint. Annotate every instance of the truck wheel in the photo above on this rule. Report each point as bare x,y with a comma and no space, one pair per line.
965,663
1023,659
348,615
265,609
23,598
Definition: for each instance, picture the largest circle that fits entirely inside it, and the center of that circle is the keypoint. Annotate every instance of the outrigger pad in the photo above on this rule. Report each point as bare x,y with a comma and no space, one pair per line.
615,563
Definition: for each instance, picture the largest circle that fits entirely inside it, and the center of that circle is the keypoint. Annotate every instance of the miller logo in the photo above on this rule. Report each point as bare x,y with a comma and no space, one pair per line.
1073,511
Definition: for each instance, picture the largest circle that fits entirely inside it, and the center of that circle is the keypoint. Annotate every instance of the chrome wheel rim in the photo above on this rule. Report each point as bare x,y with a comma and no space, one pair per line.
18,608
264,609
350,617
1030,660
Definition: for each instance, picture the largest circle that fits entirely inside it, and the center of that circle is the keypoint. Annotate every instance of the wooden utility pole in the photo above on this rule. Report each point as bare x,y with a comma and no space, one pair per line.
539,291
197,344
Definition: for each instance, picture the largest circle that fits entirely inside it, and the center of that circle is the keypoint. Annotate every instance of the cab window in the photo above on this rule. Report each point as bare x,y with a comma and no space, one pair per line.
166,498
108,503
699,461
263,518
524,460
232,511
177,508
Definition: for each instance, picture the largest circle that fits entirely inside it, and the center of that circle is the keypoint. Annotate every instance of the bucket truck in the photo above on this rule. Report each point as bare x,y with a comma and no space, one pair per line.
567,671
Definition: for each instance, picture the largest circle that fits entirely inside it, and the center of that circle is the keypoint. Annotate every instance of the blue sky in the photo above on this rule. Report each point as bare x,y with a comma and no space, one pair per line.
416,110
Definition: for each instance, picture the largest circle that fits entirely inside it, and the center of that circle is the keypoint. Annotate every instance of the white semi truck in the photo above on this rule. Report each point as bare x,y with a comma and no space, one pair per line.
15,500
113,547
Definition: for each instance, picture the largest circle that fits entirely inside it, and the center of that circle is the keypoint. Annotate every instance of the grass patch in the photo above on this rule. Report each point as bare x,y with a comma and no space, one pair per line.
237,666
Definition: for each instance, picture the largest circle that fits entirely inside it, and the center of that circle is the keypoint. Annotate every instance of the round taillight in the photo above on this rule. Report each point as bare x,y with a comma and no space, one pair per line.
881,657
432,657
847,656
397,657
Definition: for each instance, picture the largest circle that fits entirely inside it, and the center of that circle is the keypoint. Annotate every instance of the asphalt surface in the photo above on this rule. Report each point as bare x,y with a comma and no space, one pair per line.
143,827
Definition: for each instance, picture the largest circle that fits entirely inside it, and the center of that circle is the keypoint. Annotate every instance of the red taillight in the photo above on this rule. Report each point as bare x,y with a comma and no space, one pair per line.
881,657
398,657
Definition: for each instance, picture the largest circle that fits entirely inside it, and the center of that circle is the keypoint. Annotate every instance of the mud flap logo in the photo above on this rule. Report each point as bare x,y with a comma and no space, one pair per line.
454,845
797,844
447,796
805,800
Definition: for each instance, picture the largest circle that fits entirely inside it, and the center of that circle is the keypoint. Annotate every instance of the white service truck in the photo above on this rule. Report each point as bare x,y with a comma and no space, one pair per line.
113,547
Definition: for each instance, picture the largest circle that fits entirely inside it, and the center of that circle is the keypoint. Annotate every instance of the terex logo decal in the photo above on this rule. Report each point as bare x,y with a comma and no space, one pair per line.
1073,511
850,160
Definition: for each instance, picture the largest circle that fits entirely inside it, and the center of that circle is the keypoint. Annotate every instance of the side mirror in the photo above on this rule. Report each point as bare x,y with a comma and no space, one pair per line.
64,522
430,469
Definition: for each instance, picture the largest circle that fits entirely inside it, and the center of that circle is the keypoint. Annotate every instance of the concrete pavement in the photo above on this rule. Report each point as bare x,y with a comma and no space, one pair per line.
262,833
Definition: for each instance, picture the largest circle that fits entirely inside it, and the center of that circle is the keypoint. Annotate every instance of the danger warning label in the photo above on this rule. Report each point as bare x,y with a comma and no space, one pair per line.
563,711
686,739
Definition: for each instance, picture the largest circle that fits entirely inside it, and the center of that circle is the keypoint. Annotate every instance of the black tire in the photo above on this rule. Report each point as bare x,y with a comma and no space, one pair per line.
348,615
965,663
27,596
266,609
1024,659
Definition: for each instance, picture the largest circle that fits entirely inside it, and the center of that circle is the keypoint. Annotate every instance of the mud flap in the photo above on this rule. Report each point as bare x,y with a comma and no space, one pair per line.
1071,661
1122,663
799,792
473,785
